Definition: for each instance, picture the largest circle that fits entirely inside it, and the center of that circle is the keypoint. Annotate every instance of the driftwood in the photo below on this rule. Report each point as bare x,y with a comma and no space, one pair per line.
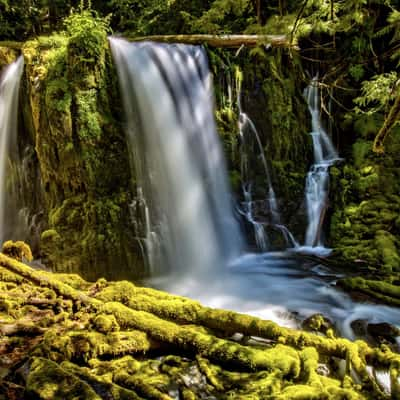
27,328
221,40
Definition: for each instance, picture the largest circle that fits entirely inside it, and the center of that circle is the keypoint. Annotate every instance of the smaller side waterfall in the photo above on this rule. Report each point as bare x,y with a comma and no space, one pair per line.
252,148
9,88
317,183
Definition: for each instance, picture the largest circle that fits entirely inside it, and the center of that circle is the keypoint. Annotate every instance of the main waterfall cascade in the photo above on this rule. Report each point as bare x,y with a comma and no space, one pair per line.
190,224
9,88
167,96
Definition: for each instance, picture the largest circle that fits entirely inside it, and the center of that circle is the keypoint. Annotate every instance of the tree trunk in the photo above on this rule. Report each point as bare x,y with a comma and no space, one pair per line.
390,122
221,40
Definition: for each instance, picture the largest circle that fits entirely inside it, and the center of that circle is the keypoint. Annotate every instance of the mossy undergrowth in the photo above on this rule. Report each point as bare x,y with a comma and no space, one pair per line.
119,341
365,226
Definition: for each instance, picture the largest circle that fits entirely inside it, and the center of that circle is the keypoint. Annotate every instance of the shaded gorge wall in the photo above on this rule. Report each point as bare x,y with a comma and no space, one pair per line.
272,96
72,112
72,117
71,126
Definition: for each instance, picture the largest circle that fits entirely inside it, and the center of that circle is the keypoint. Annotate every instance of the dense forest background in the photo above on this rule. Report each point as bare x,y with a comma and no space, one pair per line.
358,40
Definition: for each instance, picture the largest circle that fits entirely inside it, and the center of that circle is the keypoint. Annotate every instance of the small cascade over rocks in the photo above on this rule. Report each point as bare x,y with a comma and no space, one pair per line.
178,161
9,89
251,148
317,182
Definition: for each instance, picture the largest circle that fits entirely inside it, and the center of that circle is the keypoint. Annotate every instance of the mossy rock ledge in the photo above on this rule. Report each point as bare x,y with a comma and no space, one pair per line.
64,338
72,115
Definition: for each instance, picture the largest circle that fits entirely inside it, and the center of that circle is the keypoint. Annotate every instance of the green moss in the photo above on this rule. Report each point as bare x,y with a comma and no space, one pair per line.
363,226
109,389
194,350
18,250
7,55
361,149
386,244
82,154
47,381
379,290
106,323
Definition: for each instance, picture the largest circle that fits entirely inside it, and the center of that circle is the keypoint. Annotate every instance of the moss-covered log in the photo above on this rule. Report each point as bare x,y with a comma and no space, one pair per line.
90,325
222,40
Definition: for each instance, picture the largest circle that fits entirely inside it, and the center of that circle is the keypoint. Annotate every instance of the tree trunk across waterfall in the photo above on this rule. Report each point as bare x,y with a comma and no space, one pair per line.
221,40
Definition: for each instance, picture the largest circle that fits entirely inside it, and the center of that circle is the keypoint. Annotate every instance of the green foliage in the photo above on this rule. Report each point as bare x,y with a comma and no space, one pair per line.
394,25
88,115
136,15
87,35
377,93
19,18
225,16
275,25
357,72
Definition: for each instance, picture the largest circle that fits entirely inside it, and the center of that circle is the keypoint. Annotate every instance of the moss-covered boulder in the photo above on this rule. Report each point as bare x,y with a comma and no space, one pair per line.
8,54
18,250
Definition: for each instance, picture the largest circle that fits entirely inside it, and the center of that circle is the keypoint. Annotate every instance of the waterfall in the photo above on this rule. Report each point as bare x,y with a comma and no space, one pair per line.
188,224
178,160
9,88
317,182
250,144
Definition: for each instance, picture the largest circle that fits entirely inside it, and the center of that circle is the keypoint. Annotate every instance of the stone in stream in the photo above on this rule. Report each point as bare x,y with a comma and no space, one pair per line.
376,333
318,323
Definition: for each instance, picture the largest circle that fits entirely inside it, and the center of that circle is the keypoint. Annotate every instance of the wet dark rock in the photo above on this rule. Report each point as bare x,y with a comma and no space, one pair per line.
359,327
383,332
379,333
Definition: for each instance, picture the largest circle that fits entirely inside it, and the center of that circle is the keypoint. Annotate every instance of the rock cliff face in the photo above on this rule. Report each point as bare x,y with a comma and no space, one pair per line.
71,108
72,118
272,86
71,127
71,123
365,224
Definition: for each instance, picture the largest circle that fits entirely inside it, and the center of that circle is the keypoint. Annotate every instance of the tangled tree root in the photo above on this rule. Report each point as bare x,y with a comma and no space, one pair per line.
63,338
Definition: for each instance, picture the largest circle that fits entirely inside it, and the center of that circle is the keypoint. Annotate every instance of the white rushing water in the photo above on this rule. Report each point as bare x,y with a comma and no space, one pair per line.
9,88
251,149
317,183
168,100
166,94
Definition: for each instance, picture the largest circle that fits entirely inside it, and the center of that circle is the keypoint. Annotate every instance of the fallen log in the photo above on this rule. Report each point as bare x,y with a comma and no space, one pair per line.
28,328
229,41
150,317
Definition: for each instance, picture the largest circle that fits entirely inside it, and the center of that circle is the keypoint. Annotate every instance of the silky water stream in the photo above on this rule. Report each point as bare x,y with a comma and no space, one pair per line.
193,239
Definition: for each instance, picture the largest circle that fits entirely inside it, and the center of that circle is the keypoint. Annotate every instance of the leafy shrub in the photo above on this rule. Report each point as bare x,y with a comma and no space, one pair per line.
87,36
